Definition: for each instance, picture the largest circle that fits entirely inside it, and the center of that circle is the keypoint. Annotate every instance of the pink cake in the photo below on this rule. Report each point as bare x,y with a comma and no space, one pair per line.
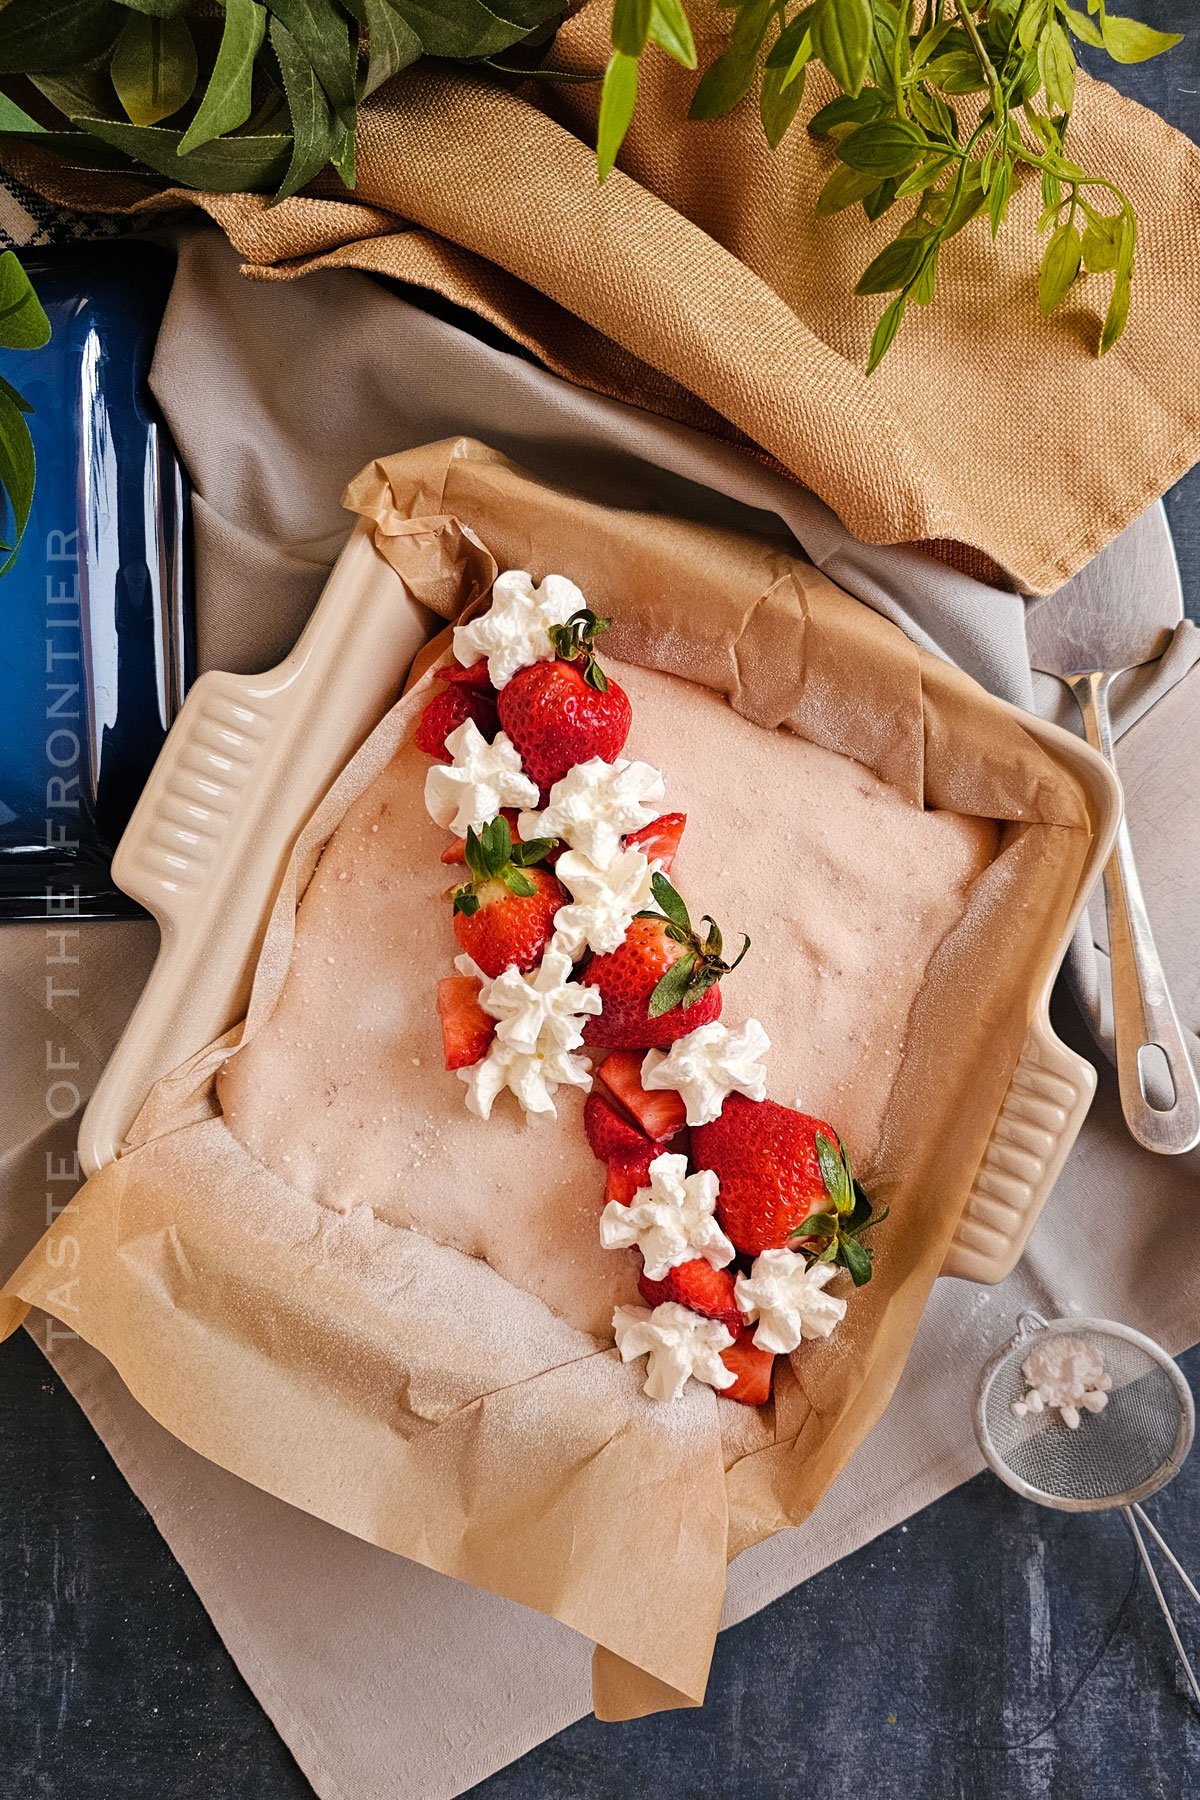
844,888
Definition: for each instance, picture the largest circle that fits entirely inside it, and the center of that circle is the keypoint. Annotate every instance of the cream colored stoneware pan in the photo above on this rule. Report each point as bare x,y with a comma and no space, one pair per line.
249,757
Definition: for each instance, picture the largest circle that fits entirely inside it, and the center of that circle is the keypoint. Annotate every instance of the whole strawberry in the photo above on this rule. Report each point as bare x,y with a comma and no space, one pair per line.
785,1182
505,914
565,712
661,982
468,694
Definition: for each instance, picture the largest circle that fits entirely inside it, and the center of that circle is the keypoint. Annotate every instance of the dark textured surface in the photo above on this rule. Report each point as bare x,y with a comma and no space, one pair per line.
113,1683
986,1651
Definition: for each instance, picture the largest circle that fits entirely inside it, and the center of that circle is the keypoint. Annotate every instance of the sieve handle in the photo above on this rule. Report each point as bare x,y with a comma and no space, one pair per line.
1144,1016
1135,1517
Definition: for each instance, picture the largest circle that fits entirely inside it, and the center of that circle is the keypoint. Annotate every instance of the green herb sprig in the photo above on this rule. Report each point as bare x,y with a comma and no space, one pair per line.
23,326
937,118
945,104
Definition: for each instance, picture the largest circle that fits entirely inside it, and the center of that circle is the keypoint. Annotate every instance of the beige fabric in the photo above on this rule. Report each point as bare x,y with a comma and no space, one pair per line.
424,1686
698,282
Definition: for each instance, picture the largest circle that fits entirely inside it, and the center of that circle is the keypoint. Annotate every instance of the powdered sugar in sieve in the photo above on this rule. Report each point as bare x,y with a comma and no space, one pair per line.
1086,1415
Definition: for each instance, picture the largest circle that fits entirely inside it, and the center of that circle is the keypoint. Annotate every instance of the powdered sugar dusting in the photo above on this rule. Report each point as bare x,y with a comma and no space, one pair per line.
343,1093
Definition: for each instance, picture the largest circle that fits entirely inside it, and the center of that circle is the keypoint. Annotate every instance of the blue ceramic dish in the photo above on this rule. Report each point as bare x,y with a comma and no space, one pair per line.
95,615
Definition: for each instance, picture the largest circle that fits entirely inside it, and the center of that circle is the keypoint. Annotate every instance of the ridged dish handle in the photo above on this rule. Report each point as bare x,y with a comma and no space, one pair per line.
203,851
1051,1089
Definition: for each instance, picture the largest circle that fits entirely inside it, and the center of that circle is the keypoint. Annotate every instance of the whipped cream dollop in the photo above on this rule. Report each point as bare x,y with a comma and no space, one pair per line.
515,630
671,1221
1066,1375
539,1024
708,1064
594,806
679,1344
785,1294
603,901
532,1076
465,794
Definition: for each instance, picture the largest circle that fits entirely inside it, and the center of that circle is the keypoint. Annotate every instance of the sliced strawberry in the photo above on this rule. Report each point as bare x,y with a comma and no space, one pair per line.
660,1113
457,851
475,677
466,1029
628,1171
449,709
696,1284
752,1367
609,1133
659,841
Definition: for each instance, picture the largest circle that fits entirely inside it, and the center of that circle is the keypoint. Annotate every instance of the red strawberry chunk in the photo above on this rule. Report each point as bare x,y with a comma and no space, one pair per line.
696,1284
628,1172
627,977
659,841
466,1029
609,1133
660,1113
475,677
556,719
449,709
765,1157
752,1367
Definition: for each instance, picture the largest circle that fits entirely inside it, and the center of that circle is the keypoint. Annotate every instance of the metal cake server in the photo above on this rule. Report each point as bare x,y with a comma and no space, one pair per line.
1090,631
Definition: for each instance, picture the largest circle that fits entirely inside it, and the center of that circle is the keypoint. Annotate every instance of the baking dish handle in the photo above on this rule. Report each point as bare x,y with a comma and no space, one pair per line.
203,852
1049,1095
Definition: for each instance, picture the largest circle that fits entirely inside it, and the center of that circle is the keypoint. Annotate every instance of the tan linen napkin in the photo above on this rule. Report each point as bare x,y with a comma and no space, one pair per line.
699,282
414,1695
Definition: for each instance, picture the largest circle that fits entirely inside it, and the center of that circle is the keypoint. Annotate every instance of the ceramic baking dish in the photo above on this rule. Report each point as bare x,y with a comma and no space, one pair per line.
249,757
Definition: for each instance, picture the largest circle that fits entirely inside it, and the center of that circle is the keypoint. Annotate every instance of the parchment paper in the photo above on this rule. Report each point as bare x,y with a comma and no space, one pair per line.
310,1351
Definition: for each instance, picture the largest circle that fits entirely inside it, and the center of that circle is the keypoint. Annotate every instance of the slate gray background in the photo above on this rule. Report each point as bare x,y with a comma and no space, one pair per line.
985,1651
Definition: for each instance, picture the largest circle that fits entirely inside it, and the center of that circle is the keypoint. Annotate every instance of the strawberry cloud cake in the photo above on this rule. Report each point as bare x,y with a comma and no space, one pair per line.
538,1046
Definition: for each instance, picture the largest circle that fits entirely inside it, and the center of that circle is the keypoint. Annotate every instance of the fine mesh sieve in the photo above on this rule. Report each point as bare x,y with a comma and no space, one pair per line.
1127,1435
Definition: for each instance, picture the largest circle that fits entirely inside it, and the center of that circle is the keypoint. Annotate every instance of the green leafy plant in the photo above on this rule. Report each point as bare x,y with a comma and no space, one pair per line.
945,104
936,119
23,326
253,96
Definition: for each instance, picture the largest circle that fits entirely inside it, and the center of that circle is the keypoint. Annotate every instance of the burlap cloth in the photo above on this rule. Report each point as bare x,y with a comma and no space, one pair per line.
699,283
